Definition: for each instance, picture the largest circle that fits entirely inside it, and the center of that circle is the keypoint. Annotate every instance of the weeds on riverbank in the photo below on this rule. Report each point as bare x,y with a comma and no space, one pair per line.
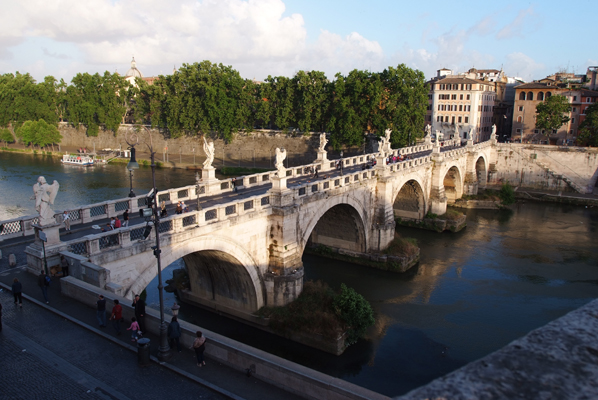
402,247
319,310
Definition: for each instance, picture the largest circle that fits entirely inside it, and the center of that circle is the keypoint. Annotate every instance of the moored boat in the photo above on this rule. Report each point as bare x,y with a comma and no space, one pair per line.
81,160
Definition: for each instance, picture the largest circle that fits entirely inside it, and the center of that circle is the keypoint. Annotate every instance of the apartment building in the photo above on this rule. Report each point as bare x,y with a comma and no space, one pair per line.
458,104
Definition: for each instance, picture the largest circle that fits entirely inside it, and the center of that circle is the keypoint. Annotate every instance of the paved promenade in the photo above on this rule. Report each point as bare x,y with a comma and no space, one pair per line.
57,351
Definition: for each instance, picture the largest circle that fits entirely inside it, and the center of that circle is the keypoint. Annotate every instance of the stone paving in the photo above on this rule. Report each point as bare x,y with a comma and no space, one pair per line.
56,351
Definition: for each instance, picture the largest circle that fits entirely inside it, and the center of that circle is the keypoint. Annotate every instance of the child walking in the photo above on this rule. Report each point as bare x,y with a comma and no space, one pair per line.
134,328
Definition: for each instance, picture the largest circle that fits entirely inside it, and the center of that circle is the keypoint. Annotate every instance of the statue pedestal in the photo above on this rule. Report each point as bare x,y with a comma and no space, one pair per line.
323,161
208,174
51,232
279,184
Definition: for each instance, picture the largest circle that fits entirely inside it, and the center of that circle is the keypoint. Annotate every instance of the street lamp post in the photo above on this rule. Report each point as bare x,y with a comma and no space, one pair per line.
341,163
131,166
163,349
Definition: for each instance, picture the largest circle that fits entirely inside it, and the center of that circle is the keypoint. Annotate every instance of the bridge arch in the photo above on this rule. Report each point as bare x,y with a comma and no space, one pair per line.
347,211
242,277
481,170
410,201
453,183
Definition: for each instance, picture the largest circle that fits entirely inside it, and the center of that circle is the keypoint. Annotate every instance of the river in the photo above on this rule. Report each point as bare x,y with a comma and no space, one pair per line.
506,274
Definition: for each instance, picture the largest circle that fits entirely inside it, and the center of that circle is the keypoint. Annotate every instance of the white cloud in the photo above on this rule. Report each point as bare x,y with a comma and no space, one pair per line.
519,26
254,36
523,66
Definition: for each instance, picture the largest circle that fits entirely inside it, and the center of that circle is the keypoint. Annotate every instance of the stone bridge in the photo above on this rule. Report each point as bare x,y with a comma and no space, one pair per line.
243,251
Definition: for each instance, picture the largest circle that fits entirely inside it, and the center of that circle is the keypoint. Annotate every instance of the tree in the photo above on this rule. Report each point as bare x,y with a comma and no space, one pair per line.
588,130
355,311
551,113
310,100
39,133
6,136
506,194
94,100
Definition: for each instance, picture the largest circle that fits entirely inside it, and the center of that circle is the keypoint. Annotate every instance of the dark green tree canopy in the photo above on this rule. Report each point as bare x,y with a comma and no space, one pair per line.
588,130
39,133
551,114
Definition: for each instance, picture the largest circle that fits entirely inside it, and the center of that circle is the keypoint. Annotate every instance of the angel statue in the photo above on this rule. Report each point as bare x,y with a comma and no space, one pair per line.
428,130
44,196
323,141
493,130
387,135
281,154
208,148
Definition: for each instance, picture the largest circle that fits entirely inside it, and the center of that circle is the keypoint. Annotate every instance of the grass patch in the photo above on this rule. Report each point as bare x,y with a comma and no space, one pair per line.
239,171
402,247
451,215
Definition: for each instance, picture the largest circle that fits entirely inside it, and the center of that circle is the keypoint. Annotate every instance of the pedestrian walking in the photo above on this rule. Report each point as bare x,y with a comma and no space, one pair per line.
199,345
233,183
135,331
117,316
112,223
101,311
43,281
174,334
117,223
139,306
17,291
64,265
126,218
66,218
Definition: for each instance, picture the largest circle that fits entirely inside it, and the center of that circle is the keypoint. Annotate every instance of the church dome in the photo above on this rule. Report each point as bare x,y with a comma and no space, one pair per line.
133,71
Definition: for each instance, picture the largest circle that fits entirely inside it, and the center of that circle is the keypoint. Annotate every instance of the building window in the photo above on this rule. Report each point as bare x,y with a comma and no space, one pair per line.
535,131
468,97
438,119
453,120
574,98
572,120
460,107
574,109
548,94
520,108
530,96
454,97
519,119
429,107
518,130
540,96
522,96
460,118
460,97
466,120
430,97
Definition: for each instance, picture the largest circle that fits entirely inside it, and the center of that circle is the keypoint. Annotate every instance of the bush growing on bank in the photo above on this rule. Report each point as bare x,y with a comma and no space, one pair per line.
507,194
319,310
402,247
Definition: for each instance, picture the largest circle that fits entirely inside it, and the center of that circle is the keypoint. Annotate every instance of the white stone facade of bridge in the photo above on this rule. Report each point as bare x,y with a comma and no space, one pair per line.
247,253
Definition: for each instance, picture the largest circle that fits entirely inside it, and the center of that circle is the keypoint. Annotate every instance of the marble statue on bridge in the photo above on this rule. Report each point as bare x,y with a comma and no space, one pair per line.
208,148
323,142
384,144
281,154
44,195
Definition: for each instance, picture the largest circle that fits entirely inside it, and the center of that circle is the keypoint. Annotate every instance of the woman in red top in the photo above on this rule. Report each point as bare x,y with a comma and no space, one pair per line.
117,316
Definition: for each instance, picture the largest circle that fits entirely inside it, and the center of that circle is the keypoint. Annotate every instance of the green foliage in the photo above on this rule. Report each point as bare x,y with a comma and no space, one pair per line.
355,311
588,130
319,310
22,99
6,136
38,133
431,215
507,194
551,113
402,247
451,215
94,100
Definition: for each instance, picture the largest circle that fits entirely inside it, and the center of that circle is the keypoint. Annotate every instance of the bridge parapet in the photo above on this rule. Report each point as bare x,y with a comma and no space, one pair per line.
125,237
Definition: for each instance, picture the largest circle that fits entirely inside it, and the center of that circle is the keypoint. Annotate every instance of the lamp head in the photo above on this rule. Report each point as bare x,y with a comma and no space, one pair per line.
132,162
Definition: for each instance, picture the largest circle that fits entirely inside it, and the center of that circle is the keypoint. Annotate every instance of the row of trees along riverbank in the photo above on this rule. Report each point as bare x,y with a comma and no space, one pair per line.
213,99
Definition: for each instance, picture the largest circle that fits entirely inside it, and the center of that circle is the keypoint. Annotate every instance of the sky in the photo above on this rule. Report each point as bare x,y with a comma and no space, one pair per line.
259,38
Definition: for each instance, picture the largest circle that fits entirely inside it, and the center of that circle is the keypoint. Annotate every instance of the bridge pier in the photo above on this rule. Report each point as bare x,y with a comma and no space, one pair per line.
438,199
283,280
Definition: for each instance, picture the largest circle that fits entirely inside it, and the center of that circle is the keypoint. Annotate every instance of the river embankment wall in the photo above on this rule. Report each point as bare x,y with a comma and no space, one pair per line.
247,148
545,167
292,377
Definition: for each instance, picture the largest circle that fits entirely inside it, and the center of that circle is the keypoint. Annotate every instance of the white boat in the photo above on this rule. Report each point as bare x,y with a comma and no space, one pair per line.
81,160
